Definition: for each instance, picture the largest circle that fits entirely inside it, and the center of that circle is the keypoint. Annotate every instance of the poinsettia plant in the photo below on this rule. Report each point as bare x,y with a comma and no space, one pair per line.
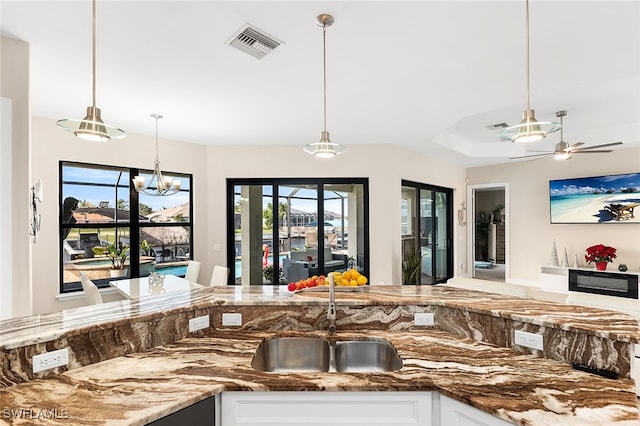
600,253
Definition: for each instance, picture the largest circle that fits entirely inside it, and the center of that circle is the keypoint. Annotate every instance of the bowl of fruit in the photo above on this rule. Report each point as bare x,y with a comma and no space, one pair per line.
349,280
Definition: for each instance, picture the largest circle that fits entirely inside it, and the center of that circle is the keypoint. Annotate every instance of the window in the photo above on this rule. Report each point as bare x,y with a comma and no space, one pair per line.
309,226
427,230
101,211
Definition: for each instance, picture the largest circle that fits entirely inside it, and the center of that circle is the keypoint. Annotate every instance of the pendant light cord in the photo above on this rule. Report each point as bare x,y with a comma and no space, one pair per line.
527,51
94,53
324,71
157,117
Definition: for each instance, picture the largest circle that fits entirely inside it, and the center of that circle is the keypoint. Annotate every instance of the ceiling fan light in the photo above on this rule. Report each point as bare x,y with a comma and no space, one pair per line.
562,155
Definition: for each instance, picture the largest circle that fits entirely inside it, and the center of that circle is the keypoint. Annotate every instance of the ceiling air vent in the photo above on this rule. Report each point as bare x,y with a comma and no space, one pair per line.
254,41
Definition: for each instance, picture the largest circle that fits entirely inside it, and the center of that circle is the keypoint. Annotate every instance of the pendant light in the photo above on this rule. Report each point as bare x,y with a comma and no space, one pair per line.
325,148
529,129
91,127
163,185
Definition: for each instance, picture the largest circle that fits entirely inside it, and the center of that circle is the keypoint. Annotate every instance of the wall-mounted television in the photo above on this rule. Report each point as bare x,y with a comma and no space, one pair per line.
597,199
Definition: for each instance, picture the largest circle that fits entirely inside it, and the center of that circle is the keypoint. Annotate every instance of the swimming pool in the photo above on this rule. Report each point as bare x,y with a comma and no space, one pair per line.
180,270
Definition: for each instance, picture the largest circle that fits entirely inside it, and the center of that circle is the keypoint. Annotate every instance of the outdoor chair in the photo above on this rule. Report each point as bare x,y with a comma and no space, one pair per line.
622,211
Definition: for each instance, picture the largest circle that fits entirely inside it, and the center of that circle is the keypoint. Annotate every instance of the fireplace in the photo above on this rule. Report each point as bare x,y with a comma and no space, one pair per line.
606,283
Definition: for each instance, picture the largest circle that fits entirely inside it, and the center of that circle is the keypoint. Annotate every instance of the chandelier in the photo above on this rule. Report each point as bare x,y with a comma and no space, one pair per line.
163,185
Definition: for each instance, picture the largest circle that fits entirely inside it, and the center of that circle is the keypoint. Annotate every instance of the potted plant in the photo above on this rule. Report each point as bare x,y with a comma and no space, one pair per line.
412,266
600,255
118,254
269,274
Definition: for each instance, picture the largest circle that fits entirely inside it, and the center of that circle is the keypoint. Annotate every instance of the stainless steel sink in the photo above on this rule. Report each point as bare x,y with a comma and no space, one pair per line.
366,356
315,354
292,354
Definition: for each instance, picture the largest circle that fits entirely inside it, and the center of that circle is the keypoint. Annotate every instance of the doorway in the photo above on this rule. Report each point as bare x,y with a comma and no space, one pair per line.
284,230
488,234
427,226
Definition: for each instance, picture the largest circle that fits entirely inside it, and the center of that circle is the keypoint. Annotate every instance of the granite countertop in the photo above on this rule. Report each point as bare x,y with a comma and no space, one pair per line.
519,387
141,387
47,327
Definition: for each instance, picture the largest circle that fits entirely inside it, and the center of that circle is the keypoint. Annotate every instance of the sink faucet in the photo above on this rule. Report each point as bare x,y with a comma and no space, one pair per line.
331,315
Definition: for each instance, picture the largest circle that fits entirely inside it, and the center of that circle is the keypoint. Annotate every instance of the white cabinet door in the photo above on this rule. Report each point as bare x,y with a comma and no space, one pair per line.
456,413
326,408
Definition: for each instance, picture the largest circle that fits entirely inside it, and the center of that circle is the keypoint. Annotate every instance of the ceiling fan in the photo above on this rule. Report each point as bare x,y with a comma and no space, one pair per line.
563,150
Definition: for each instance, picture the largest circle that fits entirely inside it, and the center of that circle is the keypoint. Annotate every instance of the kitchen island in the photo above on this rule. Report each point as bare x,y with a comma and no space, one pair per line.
140,386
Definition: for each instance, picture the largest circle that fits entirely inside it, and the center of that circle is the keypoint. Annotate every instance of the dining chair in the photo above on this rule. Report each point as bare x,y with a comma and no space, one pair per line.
193,270
91,291
219,276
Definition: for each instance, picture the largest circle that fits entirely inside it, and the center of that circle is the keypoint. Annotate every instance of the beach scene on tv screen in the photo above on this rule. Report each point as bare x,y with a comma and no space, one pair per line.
599,199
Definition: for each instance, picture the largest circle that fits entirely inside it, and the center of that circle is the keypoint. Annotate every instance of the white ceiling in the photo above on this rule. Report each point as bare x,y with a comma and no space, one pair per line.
426,75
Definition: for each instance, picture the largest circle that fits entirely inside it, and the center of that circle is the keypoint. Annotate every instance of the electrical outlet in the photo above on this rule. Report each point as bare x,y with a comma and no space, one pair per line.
198,323
232,319
424,318
529,340
51,359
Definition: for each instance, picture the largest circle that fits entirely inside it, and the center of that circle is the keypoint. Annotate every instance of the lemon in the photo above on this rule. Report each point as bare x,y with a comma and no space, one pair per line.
362,280
346,275
353,283
344,282
354,273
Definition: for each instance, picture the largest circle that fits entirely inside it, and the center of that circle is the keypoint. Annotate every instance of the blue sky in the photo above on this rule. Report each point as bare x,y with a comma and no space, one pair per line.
95,194
589,185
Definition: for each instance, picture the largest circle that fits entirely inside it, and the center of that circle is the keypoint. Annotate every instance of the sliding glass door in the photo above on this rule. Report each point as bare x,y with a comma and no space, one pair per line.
427,230
284,230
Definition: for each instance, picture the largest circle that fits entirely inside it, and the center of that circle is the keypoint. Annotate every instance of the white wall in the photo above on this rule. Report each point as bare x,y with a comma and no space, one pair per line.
51,144
14,85
384,165
6,212
532,234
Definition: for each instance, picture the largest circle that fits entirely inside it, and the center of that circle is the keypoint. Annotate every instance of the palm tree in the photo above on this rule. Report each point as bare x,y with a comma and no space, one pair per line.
122,204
